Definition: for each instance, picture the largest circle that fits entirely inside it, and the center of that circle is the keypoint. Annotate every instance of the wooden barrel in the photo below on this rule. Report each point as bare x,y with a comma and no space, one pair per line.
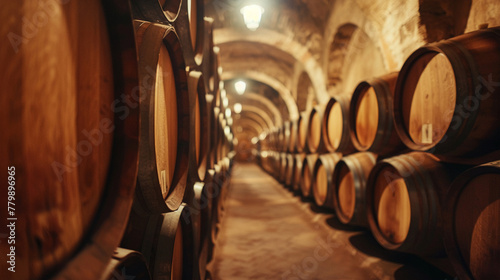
336,128
72,160
313,139
323,187
220,139
472,223
217,207
210,63
200,123
165,120
126,264
282,164
349,187
301,133
297,171
185,15
285,130
214,132
371,116
166,242
404,202
307,174
293,136
213,190
289,170
447,94
201,213
190,27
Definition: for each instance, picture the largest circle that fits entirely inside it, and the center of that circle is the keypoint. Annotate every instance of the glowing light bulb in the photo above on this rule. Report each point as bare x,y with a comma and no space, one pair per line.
237,108
252,14
240,87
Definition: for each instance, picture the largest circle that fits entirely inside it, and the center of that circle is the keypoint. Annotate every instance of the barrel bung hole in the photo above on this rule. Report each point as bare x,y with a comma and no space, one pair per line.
335,125
477,229
429,98
346,193
367,117
392,207
165,120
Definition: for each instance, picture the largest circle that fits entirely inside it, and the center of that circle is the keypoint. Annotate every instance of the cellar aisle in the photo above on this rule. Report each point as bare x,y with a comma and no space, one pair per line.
270,233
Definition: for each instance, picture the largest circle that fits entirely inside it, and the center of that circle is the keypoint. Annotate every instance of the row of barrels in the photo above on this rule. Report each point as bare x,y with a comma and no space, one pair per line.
442,101
393,156
114,138
413,202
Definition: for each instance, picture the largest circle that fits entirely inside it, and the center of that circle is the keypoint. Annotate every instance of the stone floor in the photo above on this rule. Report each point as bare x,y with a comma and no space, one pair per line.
270,233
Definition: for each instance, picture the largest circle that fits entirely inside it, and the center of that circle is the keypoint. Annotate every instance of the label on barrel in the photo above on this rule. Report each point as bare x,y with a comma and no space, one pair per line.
427,133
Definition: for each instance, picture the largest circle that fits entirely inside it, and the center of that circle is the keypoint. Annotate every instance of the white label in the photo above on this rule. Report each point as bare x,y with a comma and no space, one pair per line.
427,133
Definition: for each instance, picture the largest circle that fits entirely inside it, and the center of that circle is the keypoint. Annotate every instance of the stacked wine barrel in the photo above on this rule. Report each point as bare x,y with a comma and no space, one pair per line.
413,155
121,155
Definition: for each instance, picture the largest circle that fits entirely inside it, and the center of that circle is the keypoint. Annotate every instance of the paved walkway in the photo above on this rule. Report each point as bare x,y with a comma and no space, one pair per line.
268,233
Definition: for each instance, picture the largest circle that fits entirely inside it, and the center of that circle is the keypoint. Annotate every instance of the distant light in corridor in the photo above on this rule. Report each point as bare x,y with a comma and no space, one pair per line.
237,108
255,140
225,102
252,14
240,87
228,113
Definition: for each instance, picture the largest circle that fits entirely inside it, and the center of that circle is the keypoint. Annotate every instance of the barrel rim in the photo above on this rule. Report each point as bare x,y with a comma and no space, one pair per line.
451,50
152,11
352,164
120,258
193,56
196,90
162,36
345,145
357,95
415,239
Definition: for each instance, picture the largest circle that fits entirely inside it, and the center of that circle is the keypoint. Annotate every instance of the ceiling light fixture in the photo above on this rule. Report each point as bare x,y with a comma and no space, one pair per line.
240,87
252,14
237,108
